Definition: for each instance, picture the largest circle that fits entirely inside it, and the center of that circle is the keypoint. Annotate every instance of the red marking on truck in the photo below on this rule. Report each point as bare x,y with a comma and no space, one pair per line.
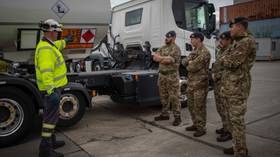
88,35
78,38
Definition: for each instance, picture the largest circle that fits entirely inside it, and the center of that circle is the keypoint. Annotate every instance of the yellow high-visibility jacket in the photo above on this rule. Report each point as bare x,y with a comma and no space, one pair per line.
50,65
3,66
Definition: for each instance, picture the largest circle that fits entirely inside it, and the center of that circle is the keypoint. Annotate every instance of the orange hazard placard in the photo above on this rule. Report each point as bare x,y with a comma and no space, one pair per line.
82,38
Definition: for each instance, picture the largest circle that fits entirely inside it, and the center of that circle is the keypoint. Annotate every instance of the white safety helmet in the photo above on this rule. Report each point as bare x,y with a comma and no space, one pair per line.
50,25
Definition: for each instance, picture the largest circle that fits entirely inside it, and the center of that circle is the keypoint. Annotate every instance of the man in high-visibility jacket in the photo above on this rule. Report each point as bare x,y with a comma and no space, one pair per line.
50,77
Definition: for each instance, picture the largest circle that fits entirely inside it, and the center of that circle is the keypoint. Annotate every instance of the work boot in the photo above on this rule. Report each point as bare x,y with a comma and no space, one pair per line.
220,131
57,144
242,154
229,151
199,133
177,121
161,117
46,150
224,137
191,128
49,153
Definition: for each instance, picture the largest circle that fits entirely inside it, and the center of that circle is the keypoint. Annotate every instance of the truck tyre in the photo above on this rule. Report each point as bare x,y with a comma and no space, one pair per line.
72,108
184,101
16,114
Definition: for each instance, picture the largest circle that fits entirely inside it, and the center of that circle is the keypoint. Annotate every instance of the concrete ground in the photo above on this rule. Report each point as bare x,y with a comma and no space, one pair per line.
117,130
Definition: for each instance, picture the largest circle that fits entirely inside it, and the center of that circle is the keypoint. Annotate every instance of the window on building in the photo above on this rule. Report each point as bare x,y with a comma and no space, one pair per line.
133,17
257,45
27,39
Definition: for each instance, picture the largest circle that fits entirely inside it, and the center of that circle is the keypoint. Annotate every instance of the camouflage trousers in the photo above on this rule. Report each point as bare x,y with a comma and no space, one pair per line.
169,91
236,109
221,107
197,107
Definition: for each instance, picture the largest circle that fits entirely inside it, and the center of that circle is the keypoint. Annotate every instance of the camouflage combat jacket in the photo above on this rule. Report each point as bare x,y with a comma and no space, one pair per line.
197,64
174,52
217,68
238,61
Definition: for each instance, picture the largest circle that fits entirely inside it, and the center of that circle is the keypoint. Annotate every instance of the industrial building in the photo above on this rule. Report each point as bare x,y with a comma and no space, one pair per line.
264,24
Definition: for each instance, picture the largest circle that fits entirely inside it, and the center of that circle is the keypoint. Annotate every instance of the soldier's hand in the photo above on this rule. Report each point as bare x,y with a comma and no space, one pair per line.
170,59
167,60
157,57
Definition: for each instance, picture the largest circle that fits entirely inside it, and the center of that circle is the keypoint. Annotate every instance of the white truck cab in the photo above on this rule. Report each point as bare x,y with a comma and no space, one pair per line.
140,21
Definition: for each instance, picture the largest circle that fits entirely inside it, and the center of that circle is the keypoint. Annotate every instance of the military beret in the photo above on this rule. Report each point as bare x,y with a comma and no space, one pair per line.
197,35
225,35
170,34
240,19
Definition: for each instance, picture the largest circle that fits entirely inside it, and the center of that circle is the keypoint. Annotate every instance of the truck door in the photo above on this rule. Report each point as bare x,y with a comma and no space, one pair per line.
137,22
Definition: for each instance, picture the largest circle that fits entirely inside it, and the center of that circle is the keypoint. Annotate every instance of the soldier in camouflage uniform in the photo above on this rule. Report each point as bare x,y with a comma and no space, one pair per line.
217,70
197,64
236,82
168,58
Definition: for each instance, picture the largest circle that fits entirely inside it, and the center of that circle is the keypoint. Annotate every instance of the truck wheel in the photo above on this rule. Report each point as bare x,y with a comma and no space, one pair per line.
72,108
184,101
16,113
183,96
96,66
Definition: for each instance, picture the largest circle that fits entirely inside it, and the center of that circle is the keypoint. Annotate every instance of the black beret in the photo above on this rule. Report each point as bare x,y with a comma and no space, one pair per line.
240,19
197,35
225,35
170,34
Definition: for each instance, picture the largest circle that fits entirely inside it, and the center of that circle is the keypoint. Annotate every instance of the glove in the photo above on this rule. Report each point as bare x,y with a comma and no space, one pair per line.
54,98
68,38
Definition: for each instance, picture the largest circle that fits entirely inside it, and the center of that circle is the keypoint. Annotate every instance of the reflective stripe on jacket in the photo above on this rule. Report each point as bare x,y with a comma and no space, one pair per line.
50,65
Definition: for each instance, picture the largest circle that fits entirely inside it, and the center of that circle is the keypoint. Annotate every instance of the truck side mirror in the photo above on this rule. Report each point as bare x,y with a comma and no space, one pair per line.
188,47
212,23
147,44
212,18
211,8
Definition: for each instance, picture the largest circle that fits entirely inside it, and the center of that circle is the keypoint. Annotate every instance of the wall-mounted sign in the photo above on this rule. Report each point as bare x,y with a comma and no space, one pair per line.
60,8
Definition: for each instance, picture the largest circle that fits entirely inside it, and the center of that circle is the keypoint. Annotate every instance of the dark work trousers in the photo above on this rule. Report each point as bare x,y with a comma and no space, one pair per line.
50,115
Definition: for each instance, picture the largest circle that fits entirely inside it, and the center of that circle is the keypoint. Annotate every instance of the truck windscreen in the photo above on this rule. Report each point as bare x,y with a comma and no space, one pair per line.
190,15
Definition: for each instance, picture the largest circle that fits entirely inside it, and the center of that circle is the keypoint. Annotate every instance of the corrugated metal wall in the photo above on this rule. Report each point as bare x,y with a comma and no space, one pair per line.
267,34
253,10
268,49
269,28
